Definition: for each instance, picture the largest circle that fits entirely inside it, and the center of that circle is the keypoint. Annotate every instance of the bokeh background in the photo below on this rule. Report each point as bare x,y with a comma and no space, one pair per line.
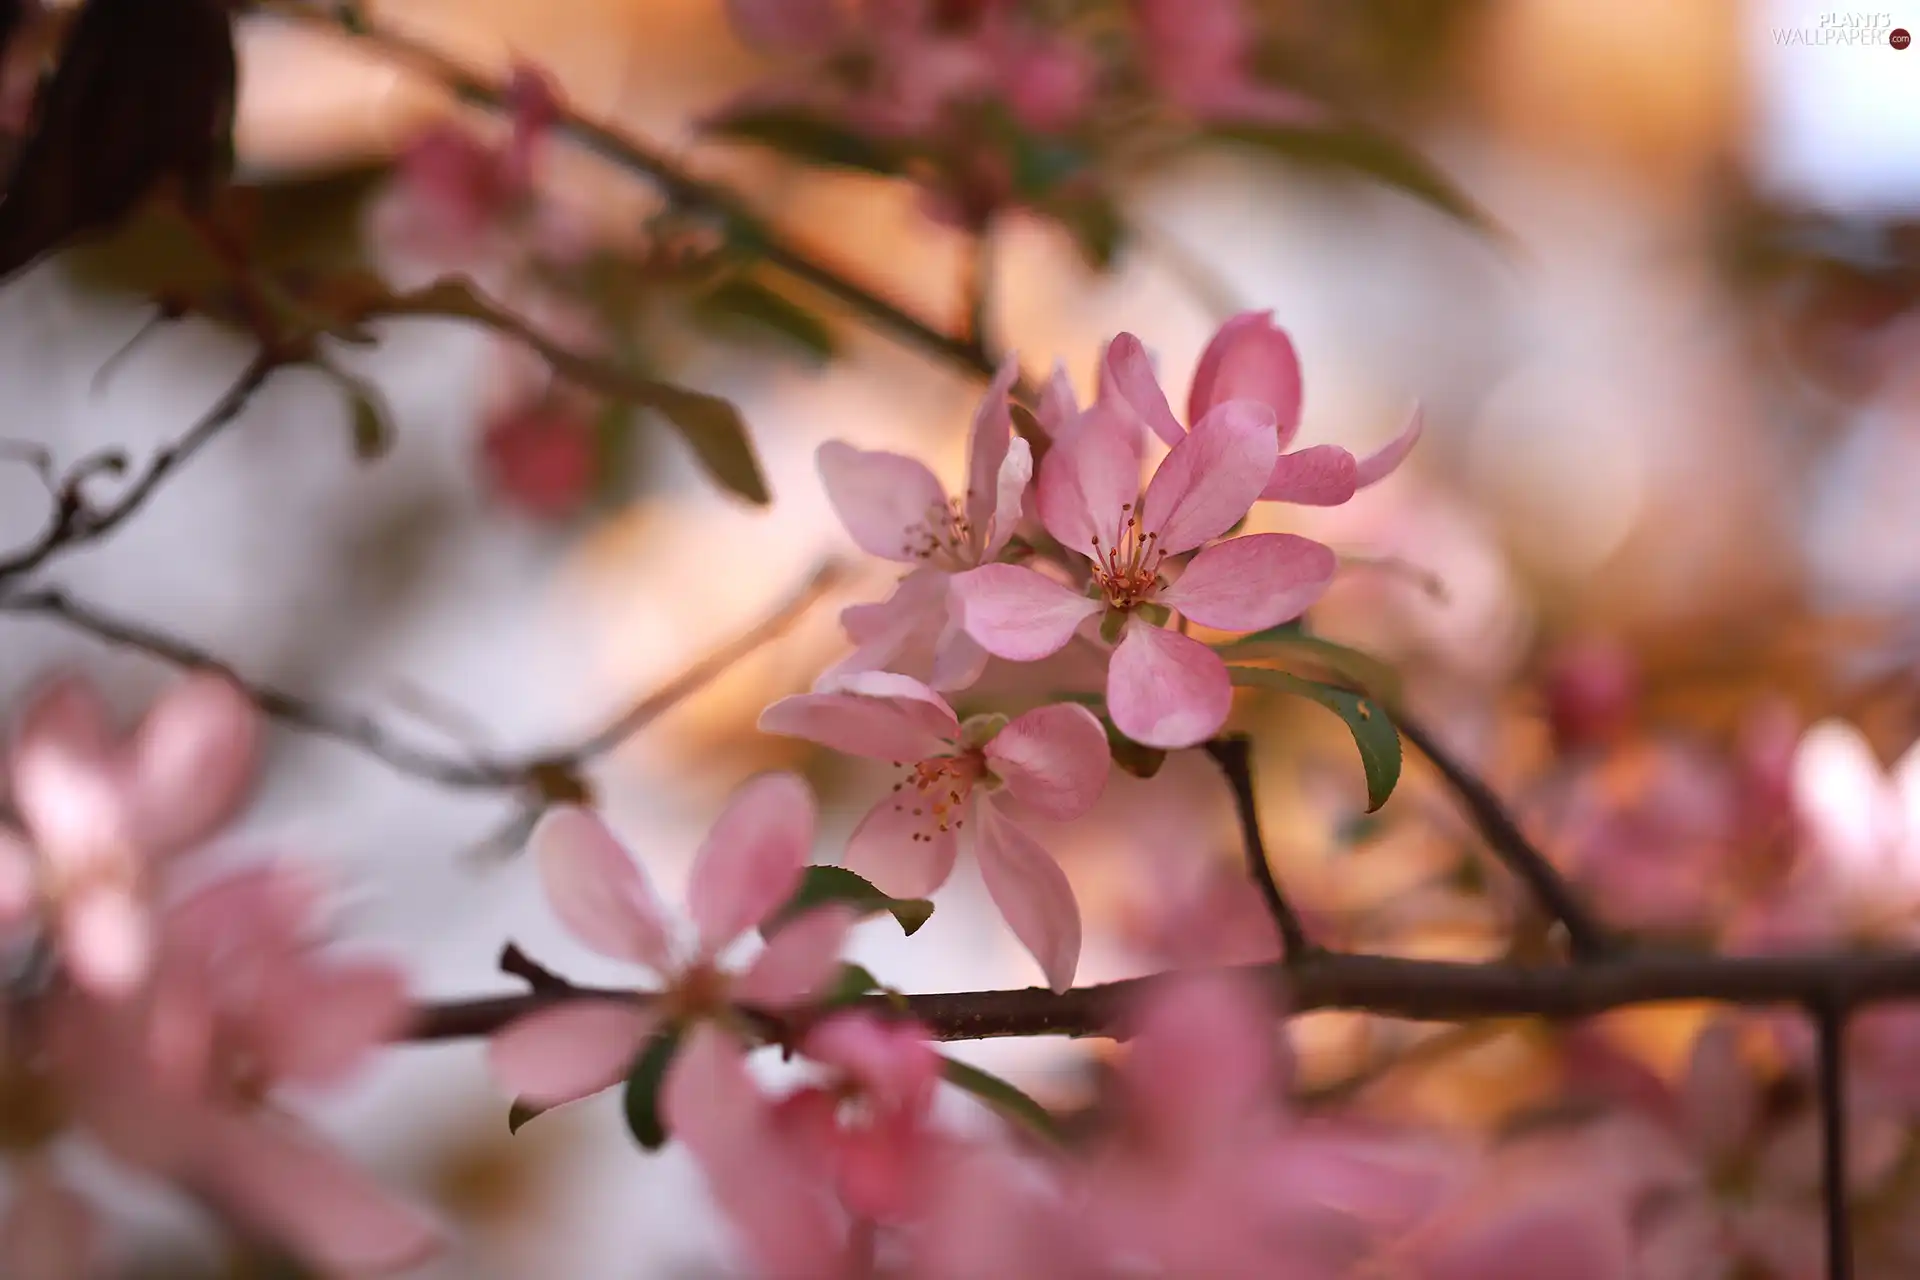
1677,409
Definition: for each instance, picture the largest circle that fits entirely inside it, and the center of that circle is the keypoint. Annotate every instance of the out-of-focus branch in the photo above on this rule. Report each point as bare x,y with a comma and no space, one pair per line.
1585,935
547,772
76,520
1419,990
1234,755
807,265
1830,1021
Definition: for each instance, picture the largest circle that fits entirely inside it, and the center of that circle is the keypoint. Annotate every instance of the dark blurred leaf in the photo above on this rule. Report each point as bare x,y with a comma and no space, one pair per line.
1366,154
823,885
1002,1097
312,224
854,982
713,430
1138,760
642,1095
143,93
521,1113
811,138
372,425
614,453
1095,224
740,299
1367,720
1280,644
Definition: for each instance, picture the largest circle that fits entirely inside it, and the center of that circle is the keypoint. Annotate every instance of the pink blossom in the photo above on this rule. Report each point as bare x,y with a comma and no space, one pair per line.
750,864
1209,1174
182,1084
542,458
1251,358
1052,761
868,1123
48,1232
895,508
101,809
1197,53
1591,690
1861,827
1164,688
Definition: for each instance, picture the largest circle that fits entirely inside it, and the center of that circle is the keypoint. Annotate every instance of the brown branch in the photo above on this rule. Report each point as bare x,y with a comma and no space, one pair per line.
1586,937
1234,755
1417,990
542,771
76,521
1830,1020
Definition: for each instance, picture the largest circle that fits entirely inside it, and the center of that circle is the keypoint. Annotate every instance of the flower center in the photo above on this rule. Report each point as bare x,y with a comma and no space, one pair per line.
944,537
702,991
936,792
1129,571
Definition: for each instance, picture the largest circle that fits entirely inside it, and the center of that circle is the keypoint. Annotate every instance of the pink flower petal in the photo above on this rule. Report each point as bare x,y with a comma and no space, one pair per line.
879,728
1203,1062
988,444
19,878
325,1024
1252,582
568,1052
1052,759
48,1232
781,1205
1381,463
1010,488
1086,483
894,1062
902,853
958,660
1842,797
194,758
1719,1094
913,701
787,26
597,890
106,939
752,858
1131,374
1018,614
799,962
1165,689
882,498
1058,404
1249,358
65,715
1321,476
1032,893
1560,1232
1207,483
69,783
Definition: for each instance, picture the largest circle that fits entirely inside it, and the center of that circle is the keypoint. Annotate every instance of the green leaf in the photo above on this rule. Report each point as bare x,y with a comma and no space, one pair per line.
823,885
520,1113
741,299
1002,1097
613,458
811,138
1350,665
1367,154
1366,719
371,419
641,1098
714,431
854,981
1136,758
1095,224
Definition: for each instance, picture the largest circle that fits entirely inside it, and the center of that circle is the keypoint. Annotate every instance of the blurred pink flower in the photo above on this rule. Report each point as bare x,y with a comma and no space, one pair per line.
1860,826
48,1232
1197,53
1210,1174
1052,761
101,809
1164,689
896,509
1591,688
868,1123
542,458
1252,358
750,864
241,1005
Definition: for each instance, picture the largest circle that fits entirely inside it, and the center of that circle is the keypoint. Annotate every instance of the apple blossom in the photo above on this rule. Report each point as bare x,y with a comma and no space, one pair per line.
1197,53
1051,761
750,864
1251,358
896,509
1164,688
100,810
542,458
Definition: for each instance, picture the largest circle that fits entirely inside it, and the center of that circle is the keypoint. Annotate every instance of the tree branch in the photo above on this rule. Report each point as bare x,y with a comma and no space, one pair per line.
540,770
1234,755
1418,990
1586,937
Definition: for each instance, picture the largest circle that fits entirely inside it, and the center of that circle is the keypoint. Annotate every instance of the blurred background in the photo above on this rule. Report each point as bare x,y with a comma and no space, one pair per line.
1673,406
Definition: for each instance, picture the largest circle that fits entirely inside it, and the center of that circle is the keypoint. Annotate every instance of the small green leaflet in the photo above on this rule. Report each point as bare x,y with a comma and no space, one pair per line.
1290,642
739,302
823,885
1002,1097
1366,719
641,1098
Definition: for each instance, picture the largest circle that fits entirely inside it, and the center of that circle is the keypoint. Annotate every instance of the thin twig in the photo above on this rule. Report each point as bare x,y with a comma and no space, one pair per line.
1586,937
1418,990
75,521
977,293
1234,755
364,733
1830,1020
